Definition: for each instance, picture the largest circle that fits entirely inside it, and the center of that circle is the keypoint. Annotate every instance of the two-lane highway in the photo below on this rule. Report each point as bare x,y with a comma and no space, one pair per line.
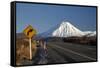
60,52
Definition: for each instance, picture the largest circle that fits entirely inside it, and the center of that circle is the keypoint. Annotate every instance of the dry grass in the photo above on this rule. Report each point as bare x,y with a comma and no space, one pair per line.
23,51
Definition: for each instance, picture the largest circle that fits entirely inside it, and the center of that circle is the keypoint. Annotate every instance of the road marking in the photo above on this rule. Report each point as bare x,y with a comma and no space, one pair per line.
75,53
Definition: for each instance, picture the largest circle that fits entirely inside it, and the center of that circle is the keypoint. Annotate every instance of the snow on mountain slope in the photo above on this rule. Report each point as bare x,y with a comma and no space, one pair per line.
66,30
93,33
90,33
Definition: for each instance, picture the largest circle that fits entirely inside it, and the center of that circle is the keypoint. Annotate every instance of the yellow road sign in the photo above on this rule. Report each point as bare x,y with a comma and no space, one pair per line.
29,31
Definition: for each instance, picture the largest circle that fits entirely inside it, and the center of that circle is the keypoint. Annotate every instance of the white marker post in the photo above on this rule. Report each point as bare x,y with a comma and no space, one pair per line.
30,45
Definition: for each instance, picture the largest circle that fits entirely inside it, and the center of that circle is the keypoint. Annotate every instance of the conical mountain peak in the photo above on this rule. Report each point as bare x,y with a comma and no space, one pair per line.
66,29
65,23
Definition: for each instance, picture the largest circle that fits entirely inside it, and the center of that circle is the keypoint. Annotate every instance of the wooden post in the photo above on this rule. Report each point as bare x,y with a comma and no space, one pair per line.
30,45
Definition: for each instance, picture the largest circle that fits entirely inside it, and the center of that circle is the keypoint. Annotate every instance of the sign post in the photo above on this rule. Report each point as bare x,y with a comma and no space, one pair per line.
30,32
30,48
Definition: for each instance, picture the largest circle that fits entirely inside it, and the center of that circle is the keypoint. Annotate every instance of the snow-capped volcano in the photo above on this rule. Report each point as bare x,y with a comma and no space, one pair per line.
66,29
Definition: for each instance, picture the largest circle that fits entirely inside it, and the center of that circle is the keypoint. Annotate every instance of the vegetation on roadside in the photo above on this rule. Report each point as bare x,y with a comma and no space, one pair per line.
23,51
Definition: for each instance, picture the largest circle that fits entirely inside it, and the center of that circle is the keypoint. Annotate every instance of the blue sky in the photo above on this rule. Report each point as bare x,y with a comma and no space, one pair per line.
44,17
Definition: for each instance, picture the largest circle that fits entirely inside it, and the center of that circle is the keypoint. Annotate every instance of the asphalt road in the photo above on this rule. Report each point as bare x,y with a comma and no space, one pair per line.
63,52
60,52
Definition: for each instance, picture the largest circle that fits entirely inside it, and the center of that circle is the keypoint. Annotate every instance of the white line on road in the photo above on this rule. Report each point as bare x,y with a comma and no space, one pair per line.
75,53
